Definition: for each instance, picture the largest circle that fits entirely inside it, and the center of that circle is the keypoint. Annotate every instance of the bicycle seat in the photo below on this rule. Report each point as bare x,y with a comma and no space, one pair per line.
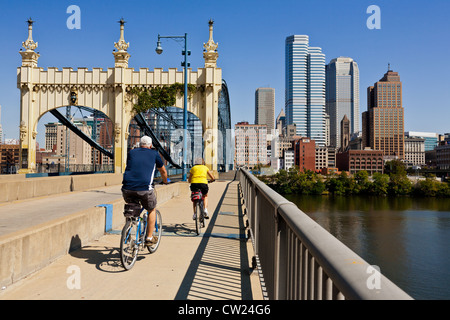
132,210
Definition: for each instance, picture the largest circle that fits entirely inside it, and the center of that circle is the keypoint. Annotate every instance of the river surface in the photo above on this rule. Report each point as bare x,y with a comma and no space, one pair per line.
408,238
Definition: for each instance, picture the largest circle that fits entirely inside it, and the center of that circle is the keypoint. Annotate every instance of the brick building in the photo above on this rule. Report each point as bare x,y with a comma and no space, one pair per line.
359,160
304,153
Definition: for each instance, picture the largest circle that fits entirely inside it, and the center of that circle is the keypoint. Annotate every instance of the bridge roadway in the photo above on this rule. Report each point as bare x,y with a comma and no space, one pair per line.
214,265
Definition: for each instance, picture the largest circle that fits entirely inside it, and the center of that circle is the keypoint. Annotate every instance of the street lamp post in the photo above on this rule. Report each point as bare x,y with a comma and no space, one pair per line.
185,64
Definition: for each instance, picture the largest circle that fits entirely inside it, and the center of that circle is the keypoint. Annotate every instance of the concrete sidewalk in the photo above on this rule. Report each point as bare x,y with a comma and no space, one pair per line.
214,265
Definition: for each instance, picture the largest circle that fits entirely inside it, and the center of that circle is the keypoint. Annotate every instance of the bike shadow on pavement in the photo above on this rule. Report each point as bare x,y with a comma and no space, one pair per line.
106,259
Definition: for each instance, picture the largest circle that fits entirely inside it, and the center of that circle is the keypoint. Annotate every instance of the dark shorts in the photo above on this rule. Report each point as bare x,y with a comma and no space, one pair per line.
203,187
146,198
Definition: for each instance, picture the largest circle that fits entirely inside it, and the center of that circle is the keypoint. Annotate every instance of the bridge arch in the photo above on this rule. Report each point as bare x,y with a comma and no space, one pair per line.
109,91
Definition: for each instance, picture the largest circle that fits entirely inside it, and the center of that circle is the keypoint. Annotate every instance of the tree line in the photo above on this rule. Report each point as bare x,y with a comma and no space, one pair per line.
394,182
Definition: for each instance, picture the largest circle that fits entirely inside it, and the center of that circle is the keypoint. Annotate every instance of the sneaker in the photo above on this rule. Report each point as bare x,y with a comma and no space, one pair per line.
205,214
194,216
151,241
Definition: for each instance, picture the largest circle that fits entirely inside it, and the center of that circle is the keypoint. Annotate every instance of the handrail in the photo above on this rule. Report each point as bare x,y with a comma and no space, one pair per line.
301,260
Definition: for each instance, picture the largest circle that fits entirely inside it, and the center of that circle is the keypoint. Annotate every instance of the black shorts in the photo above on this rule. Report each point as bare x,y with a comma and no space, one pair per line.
203,187
146,198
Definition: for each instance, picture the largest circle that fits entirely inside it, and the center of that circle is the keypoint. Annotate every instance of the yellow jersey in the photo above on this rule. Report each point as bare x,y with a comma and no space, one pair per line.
199,174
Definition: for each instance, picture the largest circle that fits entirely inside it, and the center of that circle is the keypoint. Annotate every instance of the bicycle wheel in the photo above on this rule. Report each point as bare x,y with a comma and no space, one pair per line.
128,246
202,214
156,233
198,218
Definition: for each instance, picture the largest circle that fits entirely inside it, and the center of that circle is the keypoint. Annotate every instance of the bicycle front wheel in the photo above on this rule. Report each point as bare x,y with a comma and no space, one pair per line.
156,233
128,246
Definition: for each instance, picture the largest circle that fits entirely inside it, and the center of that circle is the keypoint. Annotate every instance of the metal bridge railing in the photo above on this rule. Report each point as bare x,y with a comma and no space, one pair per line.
301,260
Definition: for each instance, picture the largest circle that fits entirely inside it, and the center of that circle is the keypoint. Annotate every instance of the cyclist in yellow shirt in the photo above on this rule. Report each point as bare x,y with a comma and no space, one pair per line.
198,178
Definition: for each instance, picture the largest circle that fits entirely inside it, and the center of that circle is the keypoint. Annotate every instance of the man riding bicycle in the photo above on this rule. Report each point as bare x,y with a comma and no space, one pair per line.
198,178
138,179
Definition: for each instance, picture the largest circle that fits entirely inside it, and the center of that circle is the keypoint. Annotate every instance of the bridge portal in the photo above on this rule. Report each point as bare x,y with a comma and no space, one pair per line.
111,92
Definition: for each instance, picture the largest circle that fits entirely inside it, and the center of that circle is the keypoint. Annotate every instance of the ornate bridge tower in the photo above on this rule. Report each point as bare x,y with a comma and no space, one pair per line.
109,91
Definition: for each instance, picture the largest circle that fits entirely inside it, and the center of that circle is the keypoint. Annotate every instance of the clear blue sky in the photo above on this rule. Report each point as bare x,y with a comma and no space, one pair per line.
414,38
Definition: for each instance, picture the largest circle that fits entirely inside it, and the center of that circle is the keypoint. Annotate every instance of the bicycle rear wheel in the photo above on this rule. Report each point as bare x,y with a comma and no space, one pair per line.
199,222
156,233
128,247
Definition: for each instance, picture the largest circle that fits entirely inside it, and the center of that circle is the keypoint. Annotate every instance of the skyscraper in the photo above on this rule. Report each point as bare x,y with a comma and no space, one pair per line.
305,88
342,96
383,122
265,107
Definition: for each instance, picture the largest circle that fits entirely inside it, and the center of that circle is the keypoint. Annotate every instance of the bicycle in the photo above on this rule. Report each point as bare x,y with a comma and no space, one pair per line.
133,234
198,198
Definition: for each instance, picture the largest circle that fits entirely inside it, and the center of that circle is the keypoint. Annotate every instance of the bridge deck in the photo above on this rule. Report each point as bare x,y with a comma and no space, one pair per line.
214,265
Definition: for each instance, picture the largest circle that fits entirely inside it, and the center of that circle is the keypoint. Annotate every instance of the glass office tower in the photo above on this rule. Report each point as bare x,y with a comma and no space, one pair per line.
305,88
342,96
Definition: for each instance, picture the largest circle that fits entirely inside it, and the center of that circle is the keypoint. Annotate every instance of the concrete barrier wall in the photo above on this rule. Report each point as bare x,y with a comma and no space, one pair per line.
17,187
27,251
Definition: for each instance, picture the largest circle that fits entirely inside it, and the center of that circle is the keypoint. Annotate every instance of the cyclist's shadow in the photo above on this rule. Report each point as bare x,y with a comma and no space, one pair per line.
106,259
179,229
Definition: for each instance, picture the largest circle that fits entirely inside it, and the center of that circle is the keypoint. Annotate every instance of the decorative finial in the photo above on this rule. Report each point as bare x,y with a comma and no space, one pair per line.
30,45
121,55
389,66
29,56
210,53
121,45
210,46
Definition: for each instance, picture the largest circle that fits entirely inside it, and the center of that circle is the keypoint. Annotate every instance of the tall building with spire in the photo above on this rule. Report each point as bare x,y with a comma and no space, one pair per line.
342,96
384,122
305,88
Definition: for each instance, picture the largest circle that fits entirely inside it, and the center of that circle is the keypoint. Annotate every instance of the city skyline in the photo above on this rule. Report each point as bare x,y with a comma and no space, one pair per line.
251,51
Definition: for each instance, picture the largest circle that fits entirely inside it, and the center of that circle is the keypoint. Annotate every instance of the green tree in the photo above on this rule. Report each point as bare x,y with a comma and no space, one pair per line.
362,181
159,97
399,185
444,190
380,184
336,185
428,187
395,167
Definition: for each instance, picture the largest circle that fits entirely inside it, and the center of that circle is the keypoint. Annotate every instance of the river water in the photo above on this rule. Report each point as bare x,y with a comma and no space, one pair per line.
408,238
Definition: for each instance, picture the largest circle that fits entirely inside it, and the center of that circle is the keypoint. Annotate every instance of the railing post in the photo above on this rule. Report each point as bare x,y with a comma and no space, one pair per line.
280,258
254,196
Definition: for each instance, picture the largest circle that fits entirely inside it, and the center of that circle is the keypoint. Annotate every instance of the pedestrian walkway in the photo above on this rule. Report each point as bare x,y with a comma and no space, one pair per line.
214,265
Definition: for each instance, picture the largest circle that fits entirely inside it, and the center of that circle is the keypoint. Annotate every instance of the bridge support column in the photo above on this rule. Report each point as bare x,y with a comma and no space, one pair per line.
27,154
210,117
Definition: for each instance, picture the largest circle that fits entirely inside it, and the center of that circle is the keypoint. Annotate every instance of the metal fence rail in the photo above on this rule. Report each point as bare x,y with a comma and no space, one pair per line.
301,260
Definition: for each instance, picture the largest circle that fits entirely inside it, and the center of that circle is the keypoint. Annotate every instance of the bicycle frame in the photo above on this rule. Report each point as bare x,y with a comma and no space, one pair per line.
139,232
141,228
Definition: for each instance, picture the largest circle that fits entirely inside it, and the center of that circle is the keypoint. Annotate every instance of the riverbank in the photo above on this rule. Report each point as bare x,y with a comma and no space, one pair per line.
392,184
